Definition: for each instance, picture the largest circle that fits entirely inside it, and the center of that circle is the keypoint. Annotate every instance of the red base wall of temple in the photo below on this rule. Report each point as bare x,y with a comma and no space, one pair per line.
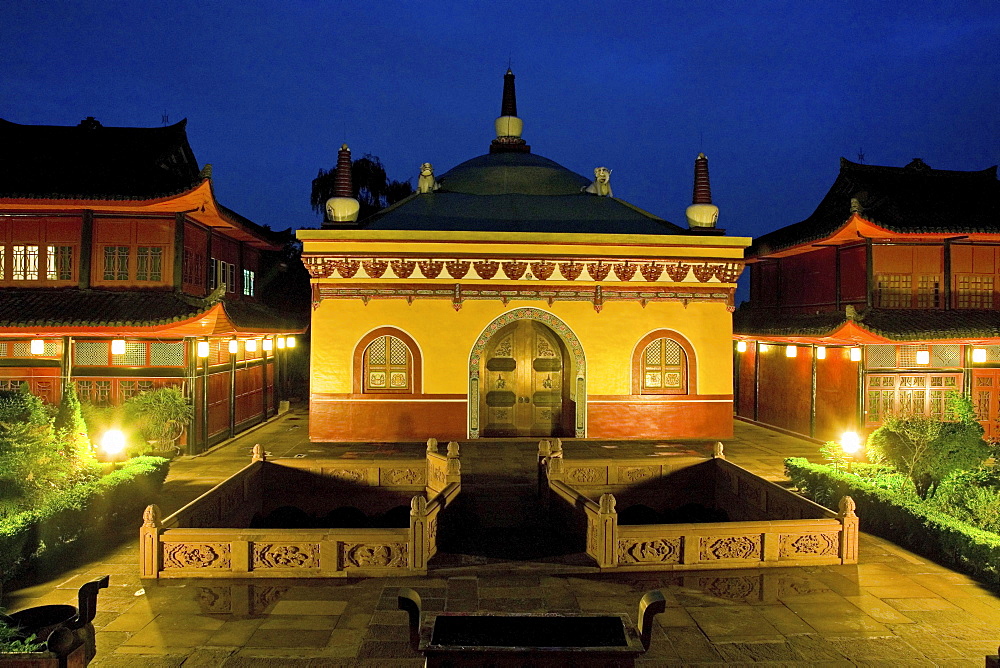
396,418
340,418
630,417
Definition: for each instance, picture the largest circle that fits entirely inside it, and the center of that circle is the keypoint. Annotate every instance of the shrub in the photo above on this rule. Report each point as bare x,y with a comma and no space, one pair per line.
159,415
927,450
902,518
104,506
11,640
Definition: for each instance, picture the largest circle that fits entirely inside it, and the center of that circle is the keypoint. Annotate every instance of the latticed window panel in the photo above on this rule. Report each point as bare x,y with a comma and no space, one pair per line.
894,290
116,263
24,263
166,354
929,291
387,365
59,263
880,357
908,355
664,367
134,355
992,353
149,263
946,356
91,353
22,349
974,291
908,394
3,349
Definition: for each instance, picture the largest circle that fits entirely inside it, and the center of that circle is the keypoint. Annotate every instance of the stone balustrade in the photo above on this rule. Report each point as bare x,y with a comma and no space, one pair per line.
209,538
770,525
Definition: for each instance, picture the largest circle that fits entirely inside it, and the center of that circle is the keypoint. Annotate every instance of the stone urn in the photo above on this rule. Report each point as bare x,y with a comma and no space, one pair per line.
66,631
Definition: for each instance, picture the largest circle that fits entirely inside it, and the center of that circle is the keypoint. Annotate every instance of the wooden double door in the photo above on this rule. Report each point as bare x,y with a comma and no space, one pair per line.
523,390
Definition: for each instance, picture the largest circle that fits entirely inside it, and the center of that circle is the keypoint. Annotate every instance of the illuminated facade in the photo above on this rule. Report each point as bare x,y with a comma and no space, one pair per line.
512,297
888,294
116,262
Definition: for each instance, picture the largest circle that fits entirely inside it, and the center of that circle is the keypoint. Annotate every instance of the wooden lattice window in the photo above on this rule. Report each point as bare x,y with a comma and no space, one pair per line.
974,291
894,291
929,291
908,394
664,368
387,365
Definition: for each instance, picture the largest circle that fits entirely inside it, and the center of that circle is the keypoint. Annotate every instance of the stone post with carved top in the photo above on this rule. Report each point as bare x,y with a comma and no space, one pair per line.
849,534
149,542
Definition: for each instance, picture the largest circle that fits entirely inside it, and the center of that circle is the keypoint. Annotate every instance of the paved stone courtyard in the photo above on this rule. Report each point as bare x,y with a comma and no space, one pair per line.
892,608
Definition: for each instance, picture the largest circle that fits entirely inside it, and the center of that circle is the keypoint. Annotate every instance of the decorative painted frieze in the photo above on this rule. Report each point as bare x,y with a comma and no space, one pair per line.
528,269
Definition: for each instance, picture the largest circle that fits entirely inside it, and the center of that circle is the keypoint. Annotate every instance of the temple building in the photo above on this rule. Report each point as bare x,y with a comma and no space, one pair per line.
512,297
882,301
122,273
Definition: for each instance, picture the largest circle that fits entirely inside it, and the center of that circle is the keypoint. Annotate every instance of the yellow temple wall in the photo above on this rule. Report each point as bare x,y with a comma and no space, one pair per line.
445,338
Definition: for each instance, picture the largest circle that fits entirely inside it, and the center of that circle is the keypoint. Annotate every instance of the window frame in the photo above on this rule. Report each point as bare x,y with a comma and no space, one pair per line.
689,366
415,366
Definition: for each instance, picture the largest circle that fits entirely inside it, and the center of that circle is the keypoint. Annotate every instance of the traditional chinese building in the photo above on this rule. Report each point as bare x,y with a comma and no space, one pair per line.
120,271
511,296
882,301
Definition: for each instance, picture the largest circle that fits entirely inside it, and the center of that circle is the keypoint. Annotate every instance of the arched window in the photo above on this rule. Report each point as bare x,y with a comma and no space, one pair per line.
387,366
387,360
663,365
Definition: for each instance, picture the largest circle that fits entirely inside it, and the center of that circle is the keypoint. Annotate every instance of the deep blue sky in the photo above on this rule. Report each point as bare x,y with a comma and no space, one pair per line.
773,92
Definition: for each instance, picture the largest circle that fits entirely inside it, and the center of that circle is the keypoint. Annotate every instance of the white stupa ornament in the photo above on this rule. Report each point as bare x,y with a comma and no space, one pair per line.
702,213
342,207
508,125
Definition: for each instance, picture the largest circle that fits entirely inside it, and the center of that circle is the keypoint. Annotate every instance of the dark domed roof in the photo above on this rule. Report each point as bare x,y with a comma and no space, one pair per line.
512,173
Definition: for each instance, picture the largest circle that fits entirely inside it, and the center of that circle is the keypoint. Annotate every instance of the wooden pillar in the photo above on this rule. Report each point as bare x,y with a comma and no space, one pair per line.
946,294
812,395
869,274
204,399
263,381
178,251
86,249
232,391
190,380
756,379
66,365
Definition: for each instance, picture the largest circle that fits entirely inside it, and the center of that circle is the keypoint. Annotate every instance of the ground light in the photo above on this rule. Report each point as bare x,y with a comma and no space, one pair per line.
855,354
118,346
741,346
250,345
37,347
978,355
234,346
290,341
923,357
113,444
820,353
268,344
203,349
850,443
791,351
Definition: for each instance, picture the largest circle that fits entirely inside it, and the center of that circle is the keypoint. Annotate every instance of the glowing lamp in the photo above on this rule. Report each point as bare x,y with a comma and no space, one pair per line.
741,346
281,342
250,345
118,347
37,347
763,347
234,346
203,349
850,442
113,442
268,344
820,353
855,354
290,341
791,351
979,355
923,357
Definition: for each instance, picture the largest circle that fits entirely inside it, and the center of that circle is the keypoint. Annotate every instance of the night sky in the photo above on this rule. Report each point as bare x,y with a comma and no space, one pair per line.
773,92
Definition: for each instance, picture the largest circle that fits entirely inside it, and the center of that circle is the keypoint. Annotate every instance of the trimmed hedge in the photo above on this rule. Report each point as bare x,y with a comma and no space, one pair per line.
108,505
902,519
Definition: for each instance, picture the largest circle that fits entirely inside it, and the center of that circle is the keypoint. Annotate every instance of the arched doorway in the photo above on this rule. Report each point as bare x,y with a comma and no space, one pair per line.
527,378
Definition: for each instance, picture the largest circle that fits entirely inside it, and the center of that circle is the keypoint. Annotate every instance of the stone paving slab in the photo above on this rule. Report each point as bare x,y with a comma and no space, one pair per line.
893,608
